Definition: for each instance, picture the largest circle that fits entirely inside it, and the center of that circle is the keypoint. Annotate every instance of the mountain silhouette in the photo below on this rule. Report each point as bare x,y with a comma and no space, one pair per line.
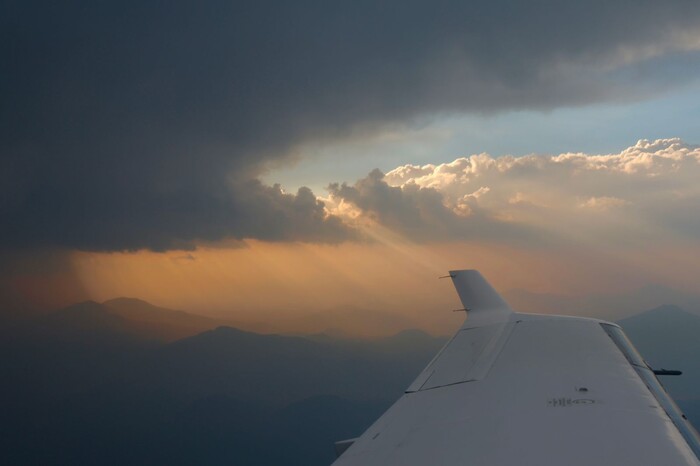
86,322
111,384
608,306
118,319
158,322
669,337
282,369
105,384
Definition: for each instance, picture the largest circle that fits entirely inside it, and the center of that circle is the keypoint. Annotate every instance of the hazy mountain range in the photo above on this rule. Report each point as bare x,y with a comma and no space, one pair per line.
608,306
127,382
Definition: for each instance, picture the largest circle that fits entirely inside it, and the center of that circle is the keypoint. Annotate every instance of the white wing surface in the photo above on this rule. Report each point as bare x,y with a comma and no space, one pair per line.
524,389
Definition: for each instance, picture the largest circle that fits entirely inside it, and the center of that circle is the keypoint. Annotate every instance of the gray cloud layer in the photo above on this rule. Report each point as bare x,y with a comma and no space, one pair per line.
422,213
129,125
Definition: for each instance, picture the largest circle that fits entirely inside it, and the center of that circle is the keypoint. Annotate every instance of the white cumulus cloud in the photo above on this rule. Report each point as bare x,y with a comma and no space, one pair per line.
650,187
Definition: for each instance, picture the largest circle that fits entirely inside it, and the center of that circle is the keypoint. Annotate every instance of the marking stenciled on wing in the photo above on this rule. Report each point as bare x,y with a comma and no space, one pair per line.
565,402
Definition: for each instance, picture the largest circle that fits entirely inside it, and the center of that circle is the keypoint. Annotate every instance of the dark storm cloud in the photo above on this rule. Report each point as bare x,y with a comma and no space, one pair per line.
416,212
126,125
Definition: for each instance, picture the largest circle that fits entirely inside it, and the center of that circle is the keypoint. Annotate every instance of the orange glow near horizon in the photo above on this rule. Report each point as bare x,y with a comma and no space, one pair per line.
277,282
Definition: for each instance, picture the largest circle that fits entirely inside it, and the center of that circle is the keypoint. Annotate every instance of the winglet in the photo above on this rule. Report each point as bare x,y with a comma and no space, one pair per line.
483,304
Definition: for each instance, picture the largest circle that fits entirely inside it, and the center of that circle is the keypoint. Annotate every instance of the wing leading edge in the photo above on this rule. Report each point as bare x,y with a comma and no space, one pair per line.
512,388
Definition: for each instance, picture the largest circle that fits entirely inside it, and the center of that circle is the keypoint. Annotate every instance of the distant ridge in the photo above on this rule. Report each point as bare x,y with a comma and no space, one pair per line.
116,320
140,319
82,323
284,369
138,309
607,306
669,337
159,322
228,394
667,331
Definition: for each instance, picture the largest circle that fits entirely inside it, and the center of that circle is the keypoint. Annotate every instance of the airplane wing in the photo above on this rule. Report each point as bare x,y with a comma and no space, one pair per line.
526,389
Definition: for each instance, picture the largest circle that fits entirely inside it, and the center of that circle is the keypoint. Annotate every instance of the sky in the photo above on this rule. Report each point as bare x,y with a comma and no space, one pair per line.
299,163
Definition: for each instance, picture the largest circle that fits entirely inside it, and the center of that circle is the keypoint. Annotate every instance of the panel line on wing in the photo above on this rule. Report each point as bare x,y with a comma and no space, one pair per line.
467,357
